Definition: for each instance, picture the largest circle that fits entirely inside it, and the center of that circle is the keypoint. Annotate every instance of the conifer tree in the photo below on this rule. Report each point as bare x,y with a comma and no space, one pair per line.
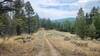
80,25
95,15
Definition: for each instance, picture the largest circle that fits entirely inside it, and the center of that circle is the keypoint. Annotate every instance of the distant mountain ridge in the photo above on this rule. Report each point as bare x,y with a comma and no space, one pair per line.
71,19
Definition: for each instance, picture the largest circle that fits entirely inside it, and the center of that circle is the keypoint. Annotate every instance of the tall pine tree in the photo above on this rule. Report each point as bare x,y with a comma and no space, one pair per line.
80,25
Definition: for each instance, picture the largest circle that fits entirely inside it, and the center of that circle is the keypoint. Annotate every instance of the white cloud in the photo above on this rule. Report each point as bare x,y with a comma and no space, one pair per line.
55,14
61,8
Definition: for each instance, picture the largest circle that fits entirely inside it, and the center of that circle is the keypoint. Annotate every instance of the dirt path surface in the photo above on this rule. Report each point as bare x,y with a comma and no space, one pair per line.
47,48
53,51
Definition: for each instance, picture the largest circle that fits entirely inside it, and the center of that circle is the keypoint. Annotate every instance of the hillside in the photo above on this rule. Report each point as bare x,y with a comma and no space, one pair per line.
49,43
71,19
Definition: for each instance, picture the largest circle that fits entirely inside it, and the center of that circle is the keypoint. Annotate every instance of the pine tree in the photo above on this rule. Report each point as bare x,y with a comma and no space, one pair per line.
66,26
95,15
90,27
35,23
91,31
33,18
18,20
80,25
2,24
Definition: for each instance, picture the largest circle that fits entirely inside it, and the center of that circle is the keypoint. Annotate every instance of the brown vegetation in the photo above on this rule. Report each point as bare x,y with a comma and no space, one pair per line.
48,43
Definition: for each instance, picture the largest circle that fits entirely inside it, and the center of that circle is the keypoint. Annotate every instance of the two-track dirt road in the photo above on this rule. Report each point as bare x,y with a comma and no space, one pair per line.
46,49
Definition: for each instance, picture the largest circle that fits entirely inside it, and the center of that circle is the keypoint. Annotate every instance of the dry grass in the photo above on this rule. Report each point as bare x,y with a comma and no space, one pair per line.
75,47
65,43
17,46
71,49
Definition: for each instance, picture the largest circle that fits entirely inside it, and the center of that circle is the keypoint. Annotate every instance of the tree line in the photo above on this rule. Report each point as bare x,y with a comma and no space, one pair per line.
22,19
88,25
85,25
25,20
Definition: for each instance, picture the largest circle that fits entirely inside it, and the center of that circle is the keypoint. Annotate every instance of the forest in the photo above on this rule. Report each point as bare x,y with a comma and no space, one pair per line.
23,19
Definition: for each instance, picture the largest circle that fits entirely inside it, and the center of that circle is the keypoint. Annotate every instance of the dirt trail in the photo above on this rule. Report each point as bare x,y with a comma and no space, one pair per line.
42,51
46,47
53,51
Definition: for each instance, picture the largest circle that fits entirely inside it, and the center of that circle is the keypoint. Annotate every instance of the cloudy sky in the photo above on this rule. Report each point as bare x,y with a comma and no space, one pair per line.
57,9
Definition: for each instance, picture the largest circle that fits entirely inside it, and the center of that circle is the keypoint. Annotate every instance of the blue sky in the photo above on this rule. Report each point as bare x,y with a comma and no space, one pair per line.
57,9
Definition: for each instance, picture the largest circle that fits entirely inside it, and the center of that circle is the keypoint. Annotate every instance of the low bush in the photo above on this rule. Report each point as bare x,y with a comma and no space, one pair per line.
80,44
66,38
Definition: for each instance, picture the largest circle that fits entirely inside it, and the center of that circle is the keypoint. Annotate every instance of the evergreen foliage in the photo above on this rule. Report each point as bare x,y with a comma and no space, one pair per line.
25,20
